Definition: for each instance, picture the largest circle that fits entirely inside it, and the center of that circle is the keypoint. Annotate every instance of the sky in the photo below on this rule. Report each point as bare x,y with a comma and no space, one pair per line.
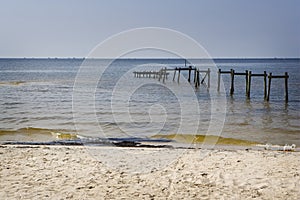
225,28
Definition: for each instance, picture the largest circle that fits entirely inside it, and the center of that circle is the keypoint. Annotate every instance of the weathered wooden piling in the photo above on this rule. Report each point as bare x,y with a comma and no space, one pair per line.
219,79
174,73
164,71
286,87
160,75
232,81
269,86
208,78
195,70
197,82
247,81
248,89
190,69
198,77
265,84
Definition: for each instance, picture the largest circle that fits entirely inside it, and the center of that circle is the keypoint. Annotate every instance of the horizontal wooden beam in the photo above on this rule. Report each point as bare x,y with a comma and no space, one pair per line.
242,74
225,72
278,76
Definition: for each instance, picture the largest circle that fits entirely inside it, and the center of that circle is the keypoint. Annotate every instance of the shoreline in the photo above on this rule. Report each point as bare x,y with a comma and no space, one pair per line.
73,172
154,144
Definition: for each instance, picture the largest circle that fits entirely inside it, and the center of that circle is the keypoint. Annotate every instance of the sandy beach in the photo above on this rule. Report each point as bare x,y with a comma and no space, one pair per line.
71,172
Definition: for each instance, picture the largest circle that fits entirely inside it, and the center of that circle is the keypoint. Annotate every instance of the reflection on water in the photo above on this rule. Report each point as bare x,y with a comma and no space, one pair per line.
262,122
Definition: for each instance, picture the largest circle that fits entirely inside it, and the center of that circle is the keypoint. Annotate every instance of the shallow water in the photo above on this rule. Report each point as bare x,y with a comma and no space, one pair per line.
37,101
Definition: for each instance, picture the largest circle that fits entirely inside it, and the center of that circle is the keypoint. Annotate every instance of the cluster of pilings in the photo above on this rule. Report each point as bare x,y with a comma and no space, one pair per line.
149,74
196,72
248,76
161,74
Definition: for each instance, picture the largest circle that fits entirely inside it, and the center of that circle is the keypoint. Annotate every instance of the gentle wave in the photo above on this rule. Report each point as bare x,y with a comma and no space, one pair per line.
41,134
37,133
16,83
206,139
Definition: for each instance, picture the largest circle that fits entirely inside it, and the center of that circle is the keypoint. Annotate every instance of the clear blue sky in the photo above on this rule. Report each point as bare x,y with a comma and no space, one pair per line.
226,28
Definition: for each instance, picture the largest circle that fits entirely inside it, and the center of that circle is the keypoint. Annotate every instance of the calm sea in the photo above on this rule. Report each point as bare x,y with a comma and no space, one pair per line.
37,100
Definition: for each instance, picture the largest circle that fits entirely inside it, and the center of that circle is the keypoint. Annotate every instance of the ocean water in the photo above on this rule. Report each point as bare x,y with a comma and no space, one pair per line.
55,99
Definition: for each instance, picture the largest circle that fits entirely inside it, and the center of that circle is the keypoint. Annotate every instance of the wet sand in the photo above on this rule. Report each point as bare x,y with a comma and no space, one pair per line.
71,172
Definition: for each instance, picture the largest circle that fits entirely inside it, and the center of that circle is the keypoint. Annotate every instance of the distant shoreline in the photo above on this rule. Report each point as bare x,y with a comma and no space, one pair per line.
83,58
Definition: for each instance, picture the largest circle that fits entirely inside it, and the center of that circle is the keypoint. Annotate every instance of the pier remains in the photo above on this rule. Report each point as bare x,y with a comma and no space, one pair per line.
203,77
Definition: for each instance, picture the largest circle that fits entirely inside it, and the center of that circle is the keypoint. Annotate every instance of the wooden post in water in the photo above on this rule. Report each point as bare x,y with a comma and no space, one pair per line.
190,69
198,77
208,78
219,77
174,73
195,75
160,74
178,75
232,82
195,79
265,85
197,82
286,87
269,86
249,84
164,74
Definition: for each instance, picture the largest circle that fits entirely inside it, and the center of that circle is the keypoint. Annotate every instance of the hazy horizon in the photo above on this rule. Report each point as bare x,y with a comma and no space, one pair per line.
226,29
137,58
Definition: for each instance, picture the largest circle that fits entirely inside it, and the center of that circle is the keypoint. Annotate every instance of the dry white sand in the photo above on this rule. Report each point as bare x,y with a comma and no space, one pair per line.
61,172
